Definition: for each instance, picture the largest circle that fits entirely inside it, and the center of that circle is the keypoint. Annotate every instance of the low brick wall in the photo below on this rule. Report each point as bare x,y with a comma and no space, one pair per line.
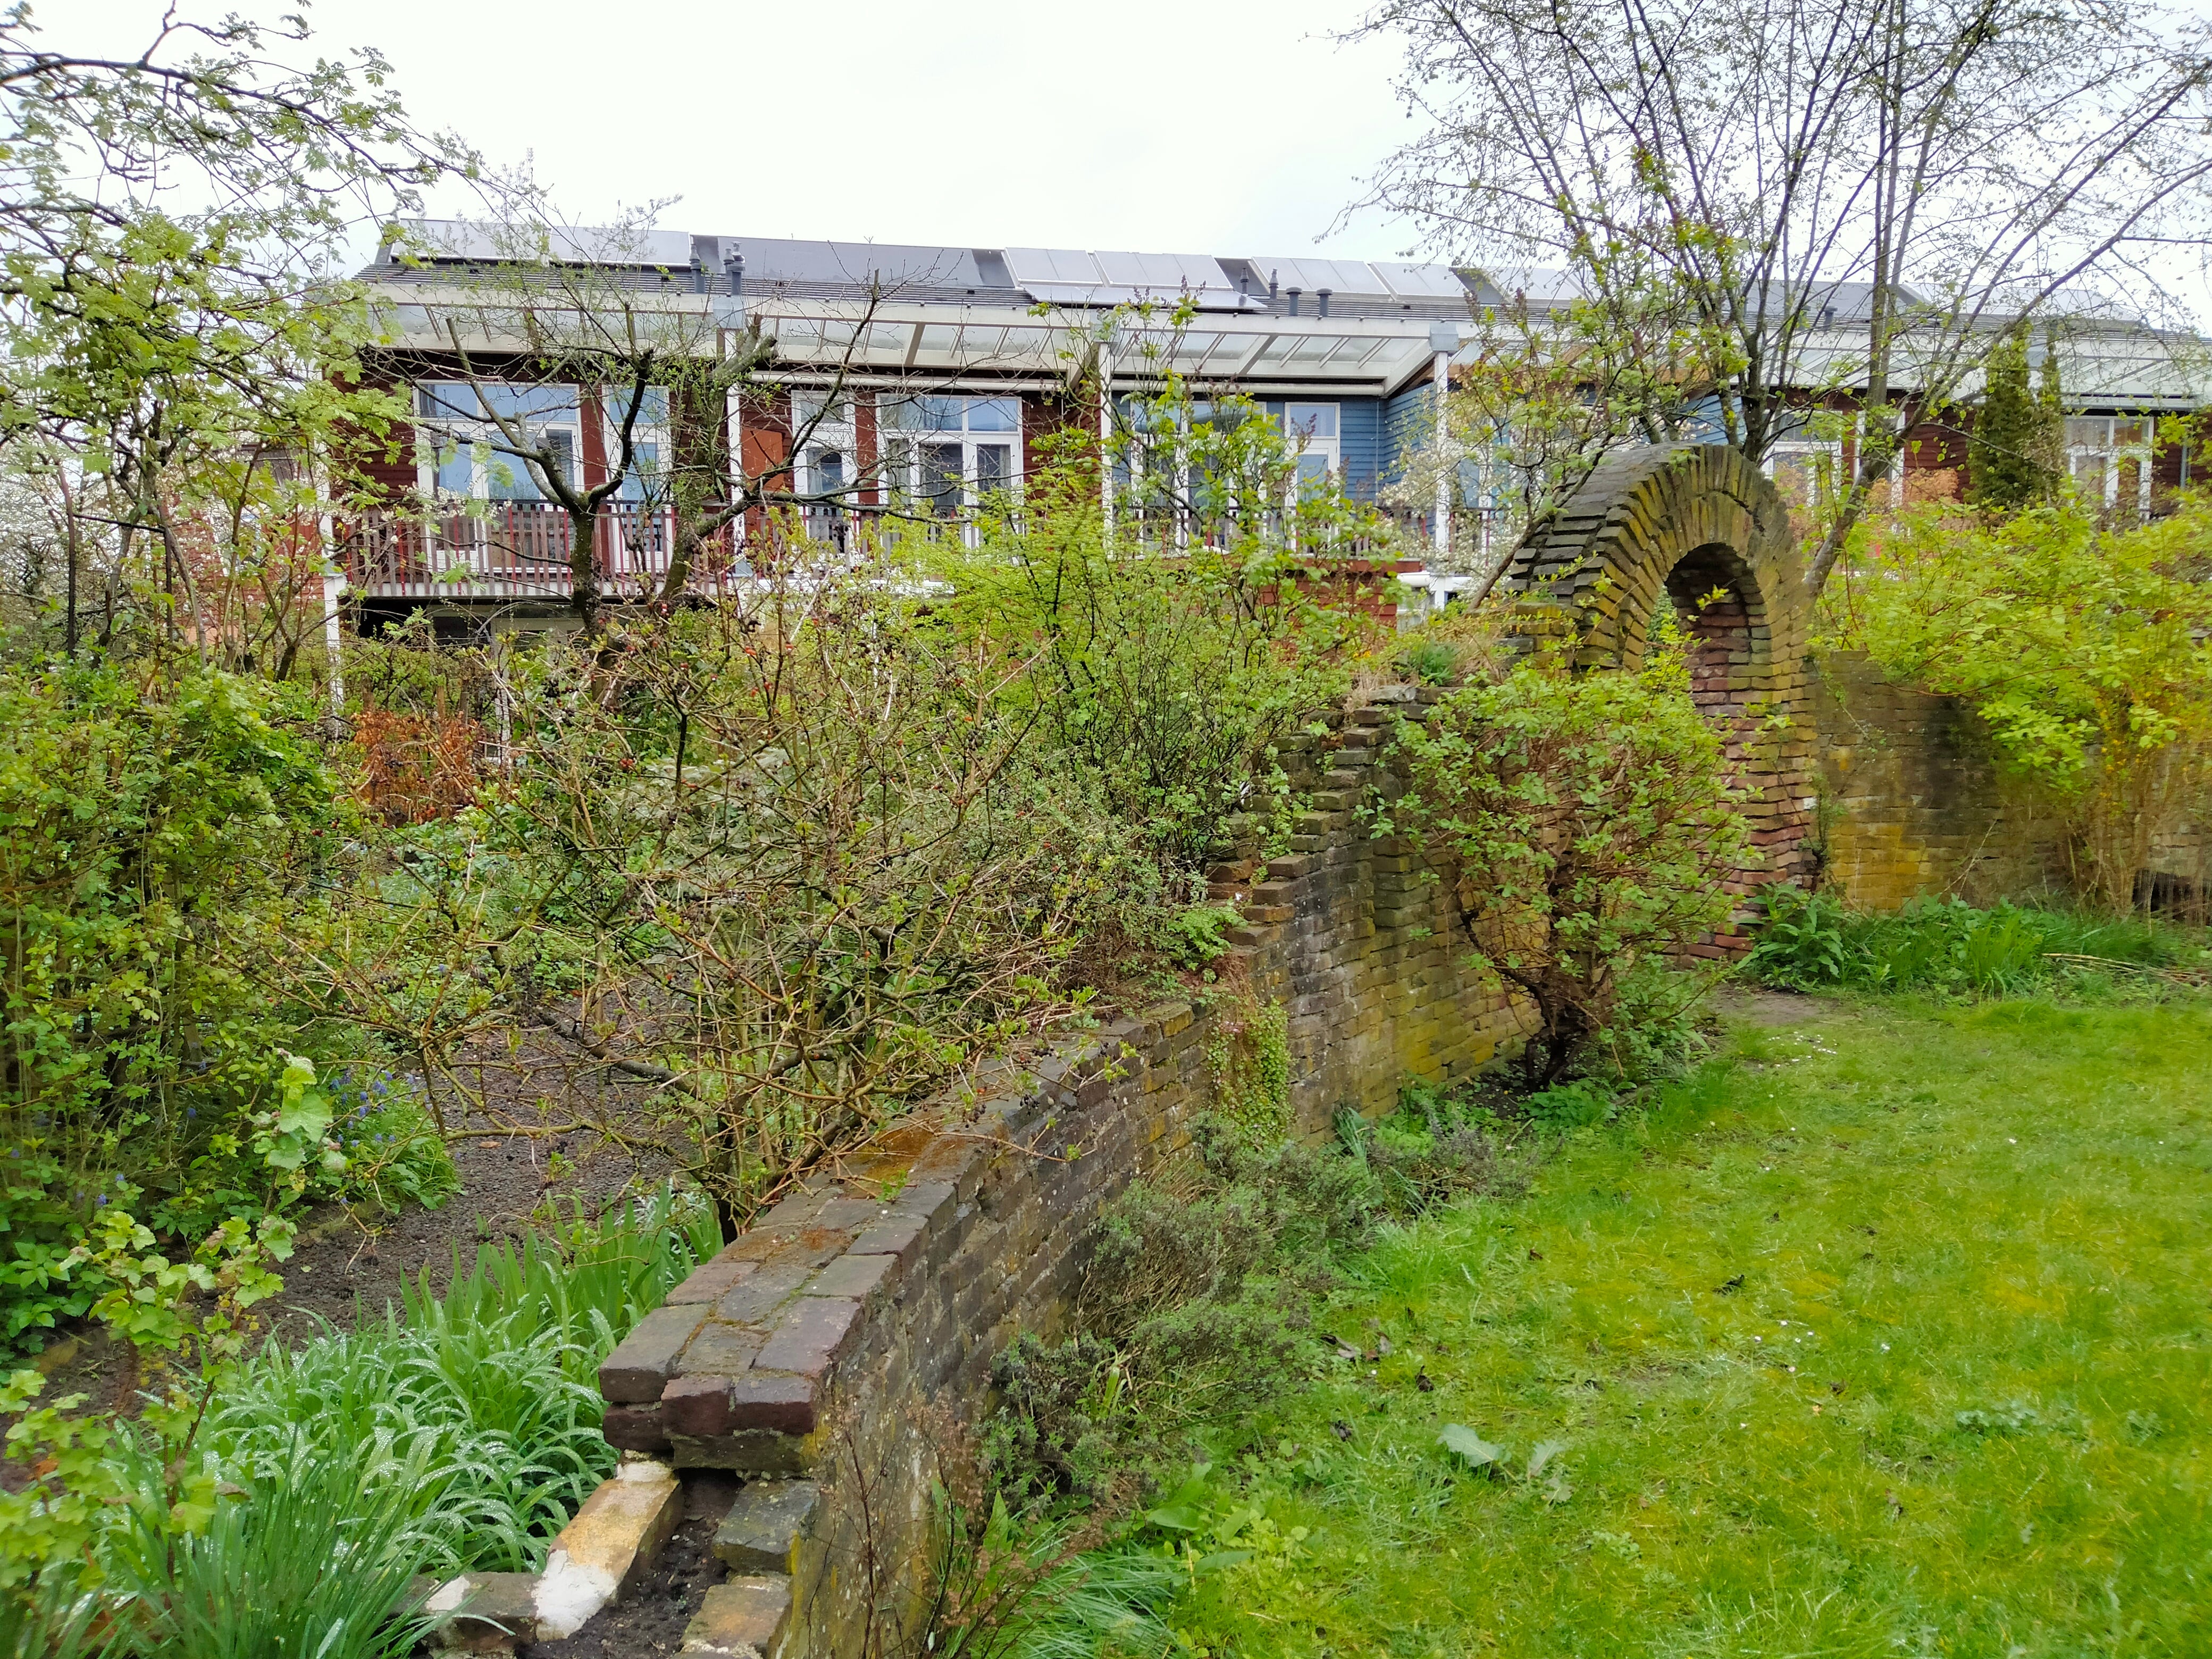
839,1337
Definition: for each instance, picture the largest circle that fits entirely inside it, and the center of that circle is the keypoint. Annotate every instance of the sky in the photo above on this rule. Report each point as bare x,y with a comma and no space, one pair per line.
1195,126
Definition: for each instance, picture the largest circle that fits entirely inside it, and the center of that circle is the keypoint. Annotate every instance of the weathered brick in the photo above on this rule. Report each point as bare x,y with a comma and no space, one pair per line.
897,1235
780,1402
757,1302
710,1281
697,1404
858,1276
814,1331
633,1428
645,1359
720,1349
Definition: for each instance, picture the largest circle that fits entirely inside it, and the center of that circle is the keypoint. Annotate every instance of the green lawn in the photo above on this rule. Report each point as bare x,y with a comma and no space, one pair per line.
1956,1403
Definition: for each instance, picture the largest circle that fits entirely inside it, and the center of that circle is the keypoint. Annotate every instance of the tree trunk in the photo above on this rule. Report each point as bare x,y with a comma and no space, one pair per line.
584,570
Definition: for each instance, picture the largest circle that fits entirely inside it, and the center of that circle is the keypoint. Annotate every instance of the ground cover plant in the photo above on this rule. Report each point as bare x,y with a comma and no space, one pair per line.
310,1483
1810,941
1882,1333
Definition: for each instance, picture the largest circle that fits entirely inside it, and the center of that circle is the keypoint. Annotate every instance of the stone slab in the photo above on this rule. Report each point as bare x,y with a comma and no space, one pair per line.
608,1545
744,1618
760,1533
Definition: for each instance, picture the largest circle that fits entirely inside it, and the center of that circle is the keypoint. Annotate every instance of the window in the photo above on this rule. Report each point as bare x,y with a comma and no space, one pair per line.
1312,432
823,429
460,430
951,455
2108,457
1804,472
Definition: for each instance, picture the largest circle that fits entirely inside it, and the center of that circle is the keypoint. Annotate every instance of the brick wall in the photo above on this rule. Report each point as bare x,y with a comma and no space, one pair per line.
839,1337
1911,801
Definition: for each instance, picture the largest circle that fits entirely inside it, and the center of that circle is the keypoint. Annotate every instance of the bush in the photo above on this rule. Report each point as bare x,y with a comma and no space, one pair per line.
1586,828
2086,652
152,839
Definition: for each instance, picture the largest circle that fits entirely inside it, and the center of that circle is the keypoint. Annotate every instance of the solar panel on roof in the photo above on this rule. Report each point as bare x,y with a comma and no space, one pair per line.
1417,281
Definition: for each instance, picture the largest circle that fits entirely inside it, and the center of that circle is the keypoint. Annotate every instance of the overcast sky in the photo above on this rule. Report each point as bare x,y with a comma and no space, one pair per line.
1161,125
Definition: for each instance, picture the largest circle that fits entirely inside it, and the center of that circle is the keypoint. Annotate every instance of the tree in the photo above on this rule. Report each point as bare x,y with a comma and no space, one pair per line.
170,227
1924,171
2012,454
2086,653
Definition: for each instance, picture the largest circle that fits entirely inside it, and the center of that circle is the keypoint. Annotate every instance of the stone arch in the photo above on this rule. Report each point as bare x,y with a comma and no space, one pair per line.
1701,528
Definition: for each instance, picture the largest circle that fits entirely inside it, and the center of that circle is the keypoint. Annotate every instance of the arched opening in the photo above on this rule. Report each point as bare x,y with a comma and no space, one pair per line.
1709,592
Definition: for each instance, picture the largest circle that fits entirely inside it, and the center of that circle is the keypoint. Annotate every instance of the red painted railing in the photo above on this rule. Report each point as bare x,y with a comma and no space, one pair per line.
519,551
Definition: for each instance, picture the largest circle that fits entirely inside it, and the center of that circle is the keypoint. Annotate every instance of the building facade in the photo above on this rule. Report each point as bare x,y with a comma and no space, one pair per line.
919,384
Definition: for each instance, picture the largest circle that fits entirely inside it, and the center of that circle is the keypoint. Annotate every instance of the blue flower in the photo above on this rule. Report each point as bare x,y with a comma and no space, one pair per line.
98,1202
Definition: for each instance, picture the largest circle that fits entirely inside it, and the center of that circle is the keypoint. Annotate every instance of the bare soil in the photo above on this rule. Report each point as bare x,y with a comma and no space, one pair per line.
651,1620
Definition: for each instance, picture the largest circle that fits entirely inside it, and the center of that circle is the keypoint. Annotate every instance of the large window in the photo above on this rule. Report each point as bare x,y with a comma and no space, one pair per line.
1314,435
647,478
827,466
462,445
2108,458
948,455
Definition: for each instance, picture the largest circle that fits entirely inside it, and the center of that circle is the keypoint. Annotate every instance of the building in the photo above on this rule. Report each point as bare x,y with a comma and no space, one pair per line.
925,379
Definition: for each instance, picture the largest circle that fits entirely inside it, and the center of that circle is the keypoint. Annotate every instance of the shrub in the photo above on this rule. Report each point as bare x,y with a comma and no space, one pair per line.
2086,653
1585,828
1052,1434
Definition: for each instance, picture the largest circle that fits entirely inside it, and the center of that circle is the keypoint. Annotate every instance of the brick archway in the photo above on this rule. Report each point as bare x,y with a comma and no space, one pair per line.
1700,529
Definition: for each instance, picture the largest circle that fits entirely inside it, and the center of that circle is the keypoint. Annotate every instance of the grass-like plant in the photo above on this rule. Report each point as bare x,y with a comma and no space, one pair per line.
312,1560
1809,941
482,1391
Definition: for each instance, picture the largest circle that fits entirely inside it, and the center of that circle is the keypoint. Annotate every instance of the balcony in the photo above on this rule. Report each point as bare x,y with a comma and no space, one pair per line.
518,552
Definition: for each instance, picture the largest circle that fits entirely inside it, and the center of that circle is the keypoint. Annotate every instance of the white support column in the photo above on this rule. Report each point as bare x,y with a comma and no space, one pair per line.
1106,428
1443,340
333,629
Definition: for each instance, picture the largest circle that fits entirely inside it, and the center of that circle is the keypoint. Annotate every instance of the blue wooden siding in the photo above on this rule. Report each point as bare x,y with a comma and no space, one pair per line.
1409,424
1359,441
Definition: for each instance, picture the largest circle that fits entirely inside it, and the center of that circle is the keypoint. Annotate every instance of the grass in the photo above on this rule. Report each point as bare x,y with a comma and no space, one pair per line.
1885,1335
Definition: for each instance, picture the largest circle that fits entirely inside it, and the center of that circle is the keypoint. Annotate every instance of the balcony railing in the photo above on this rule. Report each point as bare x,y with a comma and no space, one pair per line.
519,551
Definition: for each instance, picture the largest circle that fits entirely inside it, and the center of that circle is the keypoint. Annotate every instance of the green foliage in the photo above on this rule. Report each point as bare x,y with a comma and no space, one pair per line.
1802,945
1011,1586
2015,451
1249,1058
153,839
1194,936
475,1418
1431,661
1577,1105
1881,1335
1169,671
1809,941
1053,1433
1587,828
2087,655
311,1557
